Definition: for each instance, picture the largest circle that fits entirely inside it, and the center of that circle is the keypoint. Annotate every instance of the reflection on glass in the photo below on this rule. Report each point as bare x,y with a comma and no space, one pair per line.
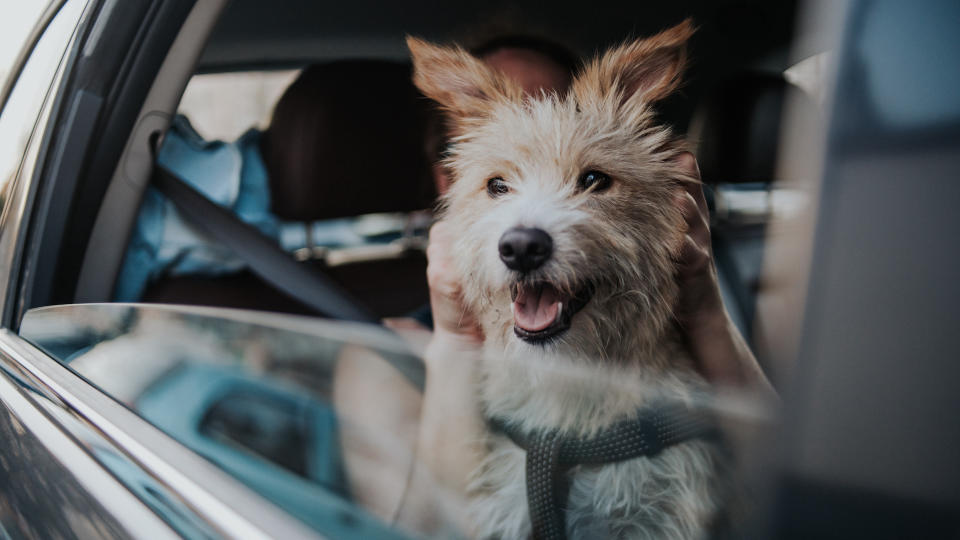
15,26
250,392
19,115
328,420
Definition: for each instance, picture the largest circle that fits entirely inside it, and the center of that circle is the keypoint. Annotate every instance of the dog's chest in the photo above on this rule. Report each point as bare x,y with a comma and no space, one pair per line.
671,495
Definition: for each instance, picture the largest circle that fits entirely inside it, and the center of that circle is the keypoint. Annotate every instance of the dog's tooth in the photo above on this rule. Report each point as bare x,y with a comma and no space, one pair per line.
559,312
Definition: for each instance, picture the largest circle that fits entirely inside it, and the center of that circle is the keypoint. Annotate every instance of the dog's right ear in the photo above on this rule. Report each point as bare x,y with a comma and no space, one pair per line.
458,81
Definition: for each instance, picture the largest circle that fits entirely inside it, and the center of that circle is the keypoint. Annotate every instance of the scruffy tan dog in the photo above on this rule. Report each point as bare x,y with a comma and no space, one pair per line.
563,211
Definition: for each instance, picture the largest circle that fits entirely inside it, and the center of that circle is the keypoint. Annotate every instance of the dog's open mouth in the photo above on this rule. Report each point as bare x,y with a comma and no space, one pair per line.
541,311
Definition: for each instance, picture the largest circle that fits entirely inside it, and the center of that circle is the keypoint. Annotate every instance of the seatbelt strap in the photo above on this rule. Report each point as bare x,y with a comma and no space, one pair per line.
264,257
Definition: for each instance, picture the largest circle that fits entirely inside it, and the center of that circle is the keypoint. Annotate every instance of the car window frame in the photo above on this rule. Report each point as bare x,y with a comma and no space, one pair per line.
17,208
65,400
31,406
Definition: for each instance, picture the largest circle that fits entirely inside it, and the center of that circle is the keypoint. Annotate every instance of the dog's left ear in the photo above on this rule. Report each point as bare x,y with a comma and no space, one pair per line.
462,84
645,70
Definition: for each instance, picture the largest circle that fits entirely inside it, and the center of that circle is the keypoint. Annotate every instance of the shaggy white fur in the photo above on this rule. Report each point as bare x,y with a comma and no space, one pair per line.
621,351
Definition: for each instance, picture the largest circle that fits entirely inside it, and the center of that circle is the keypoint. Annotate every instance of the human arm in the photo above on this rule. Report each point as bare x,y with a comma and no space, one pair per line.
450,443
718,348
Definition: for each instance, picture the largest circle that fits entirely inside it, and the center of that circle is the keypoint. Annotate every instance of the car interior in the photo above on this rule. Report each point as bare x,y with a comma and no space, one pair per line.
370,156
369,165
864,450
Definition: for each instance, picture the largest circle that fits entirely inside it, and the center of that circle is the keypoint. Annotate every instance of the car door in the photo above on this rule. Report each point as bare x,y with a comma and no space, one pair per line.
51,485
75,460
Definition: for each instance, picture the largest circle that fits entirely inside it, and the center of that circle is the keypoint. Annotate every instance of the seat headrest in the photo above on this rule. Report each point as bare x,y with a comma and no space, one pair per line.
737,131
347,138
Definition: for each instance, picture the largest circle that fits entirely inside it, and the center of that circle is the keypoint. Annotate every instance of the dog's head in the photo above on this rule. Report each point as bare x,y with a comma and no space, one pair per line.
563,206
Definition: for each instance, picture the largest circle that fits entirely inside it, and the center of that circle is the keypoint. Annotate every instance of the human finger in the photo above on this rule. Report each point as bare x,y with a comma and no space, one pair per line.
688,162
450,312
697,226
692,258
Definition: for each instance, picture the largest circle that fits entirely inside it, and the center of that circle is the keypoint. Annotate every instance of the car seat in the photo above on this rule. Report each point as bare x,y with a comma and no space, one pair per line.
345,139
736,133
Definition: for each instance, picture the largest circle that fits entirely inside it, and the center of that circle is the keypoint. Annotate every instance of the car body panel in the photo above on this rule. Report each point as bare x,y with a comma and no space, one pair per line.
54,487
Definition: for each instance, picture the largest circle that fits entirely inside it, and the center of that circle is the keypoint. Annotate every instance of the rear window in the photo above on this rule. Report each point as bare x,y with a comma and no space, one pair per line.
225,105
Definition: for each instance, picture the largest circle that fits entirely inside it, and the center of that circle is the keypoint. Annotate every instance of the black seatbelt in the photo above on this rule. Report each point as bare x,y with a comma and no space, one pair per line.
264,257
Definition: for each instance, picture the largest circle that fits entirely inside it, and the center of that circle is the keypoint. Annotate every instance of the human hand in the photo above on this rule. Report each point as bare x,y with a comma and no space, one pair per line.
451,425
700,301
720,352
451,317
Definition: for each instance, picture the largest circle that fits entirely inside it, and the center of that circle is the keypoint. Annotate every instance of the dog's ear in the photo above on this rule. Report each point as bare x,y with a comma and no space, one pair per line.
457,80
644,70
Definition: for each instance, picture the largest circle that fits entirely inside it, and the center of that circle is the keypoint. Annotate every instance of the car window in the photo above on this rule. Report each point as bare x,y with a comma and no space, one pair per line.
254,394
18,117
321,418
22,114
18,20
222,106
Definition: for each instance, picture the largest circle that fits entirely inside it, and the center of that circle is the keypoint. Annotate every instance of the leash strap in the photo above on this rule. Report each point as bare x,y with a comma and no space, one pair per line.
550,455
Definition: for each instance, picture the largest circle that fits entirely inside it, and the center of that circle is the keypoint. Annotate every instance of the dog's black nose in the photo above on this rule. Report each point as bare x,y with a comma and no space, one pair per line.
525,249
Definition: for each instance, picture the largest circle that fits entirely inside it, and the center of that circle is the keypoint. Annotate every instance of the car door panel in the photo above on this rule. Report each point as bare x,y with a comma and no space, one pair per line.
52,486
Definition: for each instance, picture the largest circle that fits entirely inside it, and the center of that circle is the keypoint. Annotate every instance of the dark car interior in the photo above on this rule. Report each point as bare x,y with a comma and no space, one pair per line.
370,156
867,452
320,174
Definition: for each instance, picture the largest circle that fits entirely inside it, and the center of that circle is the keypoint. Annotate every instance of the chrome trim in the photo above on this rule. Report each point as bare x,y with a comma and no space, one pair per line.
151,493
213,494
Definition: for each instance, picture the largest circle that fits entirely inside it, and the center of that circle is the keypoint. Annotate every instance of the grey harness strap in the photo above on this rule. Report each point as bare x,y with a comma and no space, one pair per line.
550,455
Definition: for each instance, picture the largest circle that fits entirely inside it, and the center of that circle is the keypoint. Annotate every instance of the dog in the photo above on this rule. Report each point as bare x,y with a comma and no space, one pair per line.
567,232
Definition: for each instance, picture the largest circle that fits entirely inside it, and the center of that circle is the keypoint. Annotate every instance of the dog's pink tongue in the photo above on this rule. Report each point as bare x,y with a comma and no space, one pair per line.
536,307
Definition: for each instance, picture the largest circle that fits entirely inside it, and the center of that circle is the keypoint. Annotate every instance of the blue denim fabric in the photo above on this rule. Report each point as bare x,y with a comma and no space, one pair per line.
162,243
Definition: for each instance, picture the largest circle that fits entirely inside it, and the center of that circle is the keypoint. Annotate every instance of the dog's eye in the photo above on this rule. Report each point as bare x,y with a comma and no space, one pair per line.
497,186
593,179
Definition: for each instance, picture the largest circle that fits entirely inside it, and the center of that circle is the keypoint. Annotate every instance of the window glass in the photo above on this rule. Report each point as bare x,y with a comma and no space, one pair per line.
19,115
225,105
18,20
905,73
326,419
255,394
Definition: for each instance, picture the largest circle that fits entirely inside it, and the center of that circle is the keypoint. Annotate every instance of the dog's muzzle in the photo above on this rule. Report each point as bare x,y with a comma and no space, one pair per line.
540,310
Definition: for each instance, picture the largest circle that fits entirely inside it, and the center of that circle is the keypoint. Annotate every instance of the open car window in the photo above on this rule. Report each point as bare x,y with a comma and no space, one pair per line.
319,418
830,204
